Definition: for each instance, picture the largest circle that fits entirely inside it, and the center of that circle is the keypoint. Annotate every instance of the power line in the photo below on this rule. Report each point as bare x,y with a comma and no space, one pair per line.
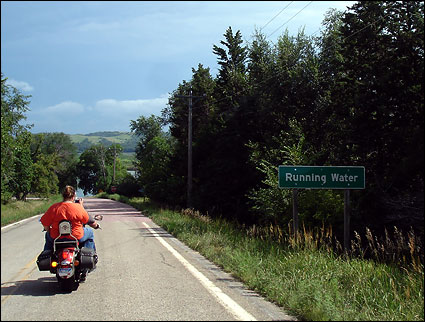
276,16
291,18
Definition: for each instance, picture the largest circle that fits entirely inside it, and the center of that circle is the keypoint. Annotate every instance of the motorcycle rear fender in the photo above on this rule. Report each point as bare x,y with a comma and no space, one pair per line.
66,258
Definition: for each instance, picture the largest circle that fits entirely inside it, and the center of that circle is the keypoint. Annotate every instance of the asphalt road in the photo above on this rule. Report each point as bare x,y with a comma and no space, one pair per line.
143,273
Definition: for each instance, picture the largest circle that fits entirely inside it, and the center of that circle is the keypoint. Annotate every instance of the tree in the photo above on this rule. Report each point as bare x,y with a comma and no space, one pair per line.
153,154
146,129
60,149
45,181
379,104
89,172
96,168
222,188
262,67
23,167
13,108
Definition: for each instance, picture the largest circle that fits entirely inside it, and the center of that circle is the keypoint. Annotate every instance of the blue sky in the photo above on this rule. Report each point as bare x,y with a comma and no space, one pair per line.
94,66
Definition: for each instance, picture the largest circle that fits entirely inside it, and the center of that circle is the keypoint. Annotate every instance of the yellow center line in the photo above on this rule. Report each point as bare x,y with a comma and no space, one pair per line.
25,277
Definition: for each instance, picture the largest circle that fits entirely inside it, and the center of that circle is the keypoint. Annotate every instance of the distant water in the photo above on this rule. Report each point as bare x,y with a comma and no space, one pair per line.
80,193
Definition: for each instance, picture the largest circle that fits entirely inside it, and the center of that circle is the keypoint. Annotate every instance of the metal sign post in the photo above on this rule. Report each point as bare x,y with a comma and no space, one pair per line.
347,213
295,212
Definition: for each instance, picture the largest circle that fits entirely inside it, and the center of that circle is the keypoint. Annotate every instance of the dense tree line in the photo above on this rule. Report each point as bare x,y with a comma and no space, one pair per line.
351,96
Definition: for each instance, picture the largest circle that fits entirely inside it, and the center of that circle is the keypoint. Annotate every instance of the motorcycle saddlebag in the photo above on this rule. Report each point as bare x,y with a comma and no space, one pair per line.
88,258
43,260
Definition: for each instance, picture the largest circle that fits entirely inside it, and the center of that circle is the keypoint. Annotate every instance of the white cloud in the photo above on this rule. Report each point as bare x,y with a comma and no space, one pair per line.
24,86
64,108
106,115
141,106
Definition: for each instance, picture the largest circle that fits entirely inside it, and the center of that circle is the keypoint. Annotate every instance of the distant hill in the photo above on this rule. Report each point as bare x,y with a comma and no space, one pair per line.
83,141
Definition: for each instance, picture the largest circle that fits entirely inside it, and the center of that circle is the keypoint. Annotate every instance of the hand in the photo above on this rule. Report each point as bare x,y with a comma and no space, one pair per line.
94,225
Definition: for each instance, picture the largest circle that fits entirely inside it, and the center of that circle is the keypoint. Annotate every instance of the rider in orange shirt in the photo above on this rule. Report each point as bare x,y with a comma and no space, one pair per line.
68,209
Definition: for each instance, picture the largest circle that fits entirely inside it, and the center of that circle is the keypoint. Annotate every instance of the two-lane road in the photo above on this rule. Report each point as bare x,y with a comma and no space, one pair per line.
143,273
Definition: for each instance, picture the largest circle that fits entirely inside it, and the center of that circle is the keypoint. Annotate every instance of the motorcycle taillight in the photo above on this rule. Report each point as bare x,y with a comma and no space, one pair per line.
67,254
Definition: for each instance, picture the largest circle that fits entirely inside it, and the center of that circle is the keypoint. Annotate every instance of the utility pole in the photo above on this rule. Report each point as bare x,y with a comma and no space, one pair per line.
189,146
115,155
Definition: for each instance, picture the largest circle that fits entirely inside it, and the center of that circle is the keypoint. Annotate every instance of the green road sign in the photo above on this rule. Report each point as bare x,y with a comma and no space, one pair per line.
314,177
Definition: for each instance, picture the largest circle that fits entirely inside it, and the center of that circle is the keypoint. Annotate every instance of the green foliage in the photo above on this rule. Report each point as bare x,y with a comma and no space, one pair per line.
373,113
221,173
32,163
146,129
153,155
88,169
99,167
14,143
58,154
273,204
318,206
114,196
127,160
45,181
23,167
129,187
269,202
351,96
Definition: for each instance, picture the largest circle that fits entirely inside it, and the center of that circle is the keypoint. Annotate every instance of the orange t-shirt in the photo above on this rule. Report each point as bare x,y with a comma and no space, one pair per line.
73,212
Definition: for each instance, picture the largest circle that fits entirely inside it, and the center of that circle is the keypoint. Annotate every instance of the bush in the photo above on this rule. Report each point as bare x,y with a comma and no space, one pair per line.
129,187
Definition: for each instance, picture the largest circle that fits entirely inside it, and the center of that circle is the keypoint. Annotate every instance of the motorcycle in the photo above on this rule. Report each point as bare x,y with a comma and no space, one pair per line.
69,261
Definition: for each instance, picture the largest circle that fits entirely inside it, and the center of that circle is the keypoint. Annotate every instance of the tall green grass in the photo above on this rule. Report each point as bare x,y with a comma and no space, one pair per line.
304,276
18,210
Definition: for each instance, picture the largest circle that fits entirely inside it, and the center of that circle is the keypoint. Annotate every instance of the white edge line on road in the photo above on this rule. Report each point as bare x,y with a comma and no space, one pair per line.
222,298
20,222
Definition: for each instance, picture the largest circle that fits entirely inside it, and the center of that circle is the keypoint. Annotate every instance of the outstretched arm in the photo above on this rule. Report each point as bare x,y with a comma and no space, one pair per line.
92,222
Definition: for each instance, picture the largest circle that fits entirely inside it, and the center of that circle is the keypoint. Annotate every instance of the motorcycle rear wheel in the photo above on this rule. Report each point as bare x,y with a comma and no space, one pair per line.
67,285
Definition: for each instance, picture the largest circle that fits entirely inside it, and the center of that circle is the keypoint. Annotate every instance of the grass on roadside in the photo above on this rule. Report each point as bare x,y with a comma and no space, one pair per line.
312,283
18,210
